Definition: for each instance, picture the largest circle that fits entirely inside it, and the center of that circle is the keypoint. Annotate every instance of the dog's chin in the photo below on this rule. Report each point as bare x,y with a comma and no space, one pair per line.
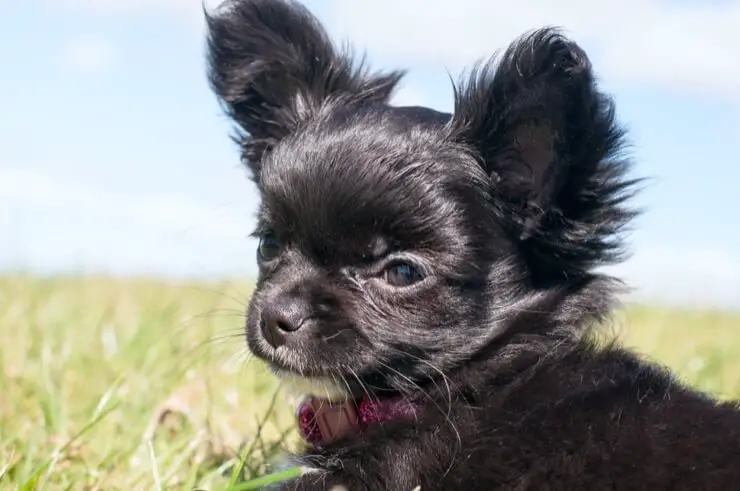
323,387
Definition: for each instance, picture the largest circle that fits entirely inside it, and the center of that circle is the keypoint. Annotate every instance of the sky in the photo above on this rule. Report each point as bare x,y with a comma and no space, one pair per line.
115,157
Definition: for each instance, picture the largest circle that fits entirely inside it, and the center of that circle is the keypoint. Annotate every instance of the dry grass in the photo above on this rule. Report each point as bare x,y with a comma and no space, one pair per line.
87,367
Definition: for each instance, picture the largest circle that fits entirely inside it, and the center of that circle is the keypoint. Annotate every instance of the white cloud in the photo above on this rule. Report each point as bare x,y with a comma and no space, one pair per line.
95,230
87,55
171,213
408,96
635,42
706,275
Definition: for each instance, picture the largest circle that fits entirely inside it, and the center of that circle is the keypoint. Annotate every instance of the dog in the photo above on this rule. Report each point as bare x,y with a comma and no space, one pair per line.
435,280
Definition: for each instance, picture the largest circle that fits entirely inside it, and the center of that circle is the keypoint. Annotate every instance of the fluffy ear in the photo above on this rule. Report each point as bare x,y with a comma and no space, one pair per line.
549,142
272,66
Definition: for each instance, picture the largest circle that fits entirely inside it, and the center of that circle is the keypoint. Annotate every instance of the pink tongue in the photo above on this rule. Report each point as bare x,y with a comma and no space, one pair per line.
321,421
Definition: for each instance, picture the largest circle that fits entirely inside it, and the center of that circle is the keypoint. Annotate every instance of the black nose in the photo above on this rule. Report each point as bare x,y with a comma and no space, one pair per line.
281,316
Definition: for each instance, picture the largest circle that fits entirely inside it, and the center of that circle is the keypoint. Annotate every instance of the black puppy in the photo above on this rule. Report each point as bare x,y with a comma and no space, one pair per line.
431,277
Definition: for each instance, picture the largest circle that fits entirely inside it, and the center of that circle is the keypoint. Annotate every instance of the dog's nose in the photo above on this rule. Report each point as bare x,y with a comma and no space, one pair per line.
281,316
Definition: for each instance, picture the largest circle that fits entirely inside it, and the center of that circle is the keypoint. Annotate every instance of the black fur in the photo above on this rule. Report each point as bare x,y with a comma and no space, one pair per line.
504,210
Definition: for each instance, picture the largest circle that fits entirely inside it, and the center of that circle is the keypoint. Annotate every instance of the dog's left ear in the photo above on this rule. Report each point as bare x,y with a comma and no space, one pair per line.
272,66
549,143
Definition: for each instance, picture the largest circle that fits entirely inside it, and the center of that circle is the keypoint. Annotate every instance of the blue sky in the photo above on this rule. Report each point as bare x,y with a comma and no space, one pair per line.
114,156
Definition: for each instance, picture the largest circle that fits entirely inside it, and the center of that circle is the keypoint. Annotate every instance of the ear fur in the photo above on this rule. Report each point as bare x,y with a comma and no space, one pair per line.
272,66
550,144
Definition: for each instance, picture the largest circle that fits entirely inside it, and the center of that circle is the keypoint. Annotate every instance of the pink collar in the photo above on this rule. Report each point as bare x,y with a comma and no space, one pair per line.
321,421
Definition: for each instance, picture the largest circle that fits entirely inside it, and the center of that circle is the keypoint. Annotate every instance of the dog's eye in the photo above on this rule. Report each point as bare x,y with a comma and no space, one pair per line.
269,247
402,274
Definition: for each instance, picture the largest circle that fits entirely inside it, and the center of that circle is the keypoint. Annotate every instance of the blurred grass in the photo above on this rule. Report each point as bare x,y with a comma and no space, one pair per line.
87,365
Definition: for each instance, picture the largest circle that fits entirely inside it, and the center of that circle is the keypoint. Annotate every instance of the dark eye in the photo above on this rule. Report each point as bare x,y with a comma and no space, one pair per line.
402,274
269,247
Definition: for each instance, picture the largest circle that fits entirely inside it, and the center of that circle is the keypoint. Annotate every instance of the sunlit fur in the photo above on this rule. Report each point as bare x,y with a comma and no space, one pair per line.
298,387
507,208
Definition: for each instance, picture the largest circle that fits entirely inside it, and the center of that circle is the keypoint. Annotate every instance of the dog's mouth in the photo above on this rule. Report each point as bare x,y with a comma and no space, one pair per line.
321,421
329,410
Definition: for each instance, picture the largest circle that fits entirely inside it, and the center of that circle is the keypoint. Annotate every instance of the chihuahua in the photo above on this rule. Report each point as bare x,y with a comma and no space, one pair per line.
434,280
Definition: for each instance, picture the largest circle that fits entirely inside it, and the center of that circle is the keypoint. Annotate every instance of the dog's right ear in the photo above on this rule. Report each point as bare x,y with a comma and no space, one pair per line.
272,66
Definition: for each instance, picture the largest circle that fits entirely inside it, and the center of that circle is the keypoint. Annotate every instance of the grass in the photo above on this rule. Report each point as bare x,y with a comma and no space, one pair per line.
140,384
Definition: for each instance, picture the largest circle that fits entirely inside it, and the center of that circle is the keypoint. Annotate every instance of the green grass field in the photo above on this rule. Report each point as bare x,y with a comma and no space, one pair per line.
126,384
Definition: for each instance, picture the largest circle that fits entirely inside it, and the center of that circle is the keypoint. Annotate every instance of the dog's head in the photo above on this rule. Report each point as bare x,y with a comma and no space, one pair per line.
397,242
